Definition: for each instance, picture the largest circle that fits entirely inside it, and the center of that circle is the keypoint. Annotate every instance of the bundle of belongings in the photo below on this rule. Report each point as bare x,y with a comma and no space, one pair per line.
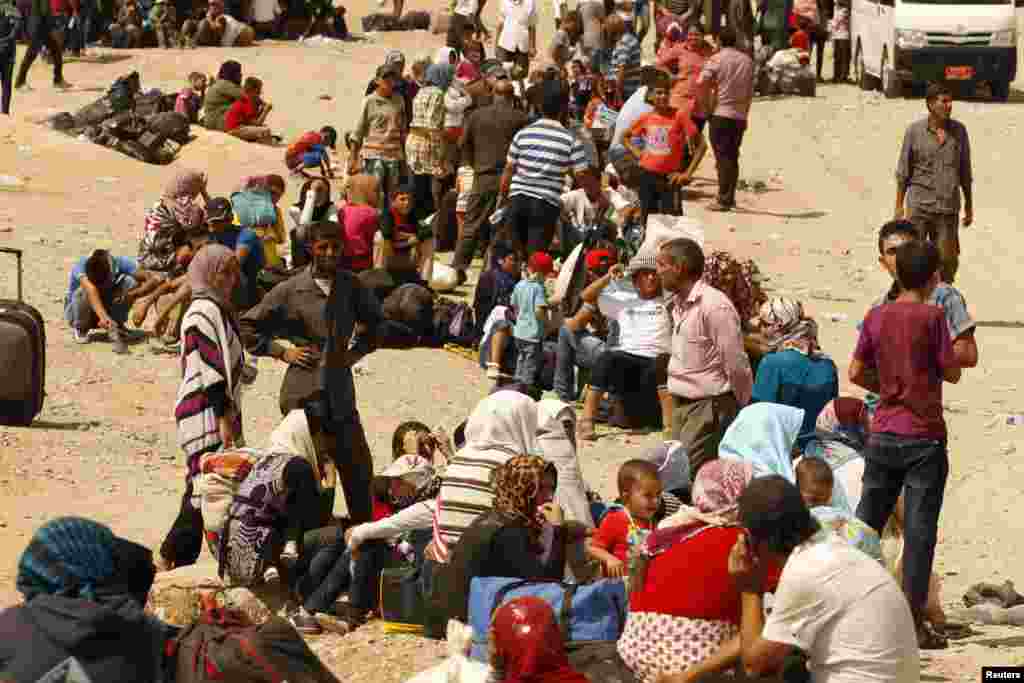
410,21
787,72
142,125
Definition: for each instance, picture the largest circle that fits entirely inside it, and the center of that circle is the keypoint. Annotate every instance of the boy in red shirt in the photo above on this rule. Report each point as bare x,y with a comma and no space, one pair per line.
670,139
907,342
625,528
247,115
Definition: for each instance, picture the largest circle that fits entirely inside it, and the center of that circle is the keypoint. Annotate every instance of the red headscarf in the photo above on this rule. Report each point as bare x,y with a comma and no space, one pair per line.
527,644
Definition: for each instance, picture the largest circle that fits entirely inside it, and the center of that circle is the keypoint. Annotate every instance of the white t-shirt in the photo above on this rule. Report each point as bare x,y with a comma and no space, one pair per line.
466,8
846,611
517,18
645,328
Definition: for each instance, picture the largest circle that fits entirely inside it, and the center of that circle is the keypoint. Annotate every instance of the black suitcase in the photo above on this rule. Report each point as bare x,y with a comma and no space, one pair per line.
22,357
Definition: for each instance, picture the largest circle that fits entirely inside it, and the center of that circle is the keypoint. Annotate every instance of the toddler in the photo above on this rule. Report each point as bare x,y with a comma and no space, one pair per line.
626,526
530,303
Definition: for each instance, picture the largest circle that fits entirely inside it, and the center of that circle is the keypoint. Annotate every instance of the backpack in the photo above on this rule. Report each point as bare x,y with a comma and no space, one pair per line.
454,323
171,125
224,645
412,305
122,93
254,208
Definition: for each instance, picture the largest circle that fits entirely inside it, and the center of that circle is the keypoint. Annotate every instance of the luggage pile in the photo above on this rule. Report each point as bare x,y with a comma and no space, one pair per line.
142,125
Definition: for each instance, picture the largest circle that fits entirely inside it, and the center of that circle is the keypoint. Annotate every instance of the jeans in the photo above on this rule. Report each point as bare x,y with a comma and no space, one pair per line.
726,138
657,196
919,468
42,31
531,223
79,314
574,348
7,80
528,362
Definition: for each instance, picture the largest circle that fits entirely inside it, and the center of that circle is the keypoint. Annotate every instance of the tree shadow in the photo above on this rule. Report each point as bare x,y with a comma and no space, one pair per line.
72,426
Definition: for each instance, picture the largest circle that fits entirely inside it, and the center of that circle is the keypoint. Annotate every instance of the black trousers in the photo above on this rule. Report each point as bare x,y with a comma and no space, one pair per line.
6,80
726,138
657,196
354,461
483,200
41,31
531,223
841,70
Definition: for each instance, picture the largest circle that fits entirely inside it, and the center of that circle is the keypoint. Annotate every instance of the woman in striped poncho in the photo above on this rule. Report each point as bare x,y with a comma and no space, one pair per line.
208,410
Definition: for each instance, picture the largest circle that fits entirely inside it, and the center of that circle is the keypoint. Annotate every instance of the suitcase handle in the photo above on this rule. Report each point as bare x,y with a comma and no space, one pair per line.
17,255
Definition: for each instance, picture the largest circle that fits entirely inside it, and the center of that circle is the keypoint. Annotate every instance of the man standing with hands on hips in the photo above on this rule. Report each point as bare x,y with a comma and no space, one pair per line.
933,168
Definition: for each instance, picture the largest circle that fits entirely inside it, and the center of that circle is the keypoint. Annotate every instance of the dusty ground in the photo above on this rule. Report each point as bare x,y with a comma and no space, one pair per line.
104,445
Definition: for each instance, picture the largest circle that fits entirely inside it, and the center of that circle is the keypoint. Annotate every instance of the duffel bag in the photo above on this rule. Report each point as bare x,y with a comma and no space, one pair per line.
402,606
587,612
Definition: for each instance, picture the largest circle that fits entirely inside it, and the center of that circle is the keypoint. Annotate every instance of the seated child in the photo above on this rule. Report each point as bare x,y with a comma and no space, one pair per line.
469,68
100,294
404,246
246,117
185,247
163,17
626,525
310,152
815,480
360,219
246,245
190,99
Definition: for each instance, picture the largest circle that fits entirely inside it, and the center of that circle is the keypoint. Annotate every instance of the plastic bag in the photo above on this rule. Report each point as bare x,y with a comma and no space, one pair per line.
663,228
458,668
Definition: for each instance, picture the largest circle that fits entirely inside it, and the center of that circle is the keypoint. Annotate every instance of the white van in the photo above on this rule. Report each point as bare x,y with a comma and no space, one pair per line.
903,42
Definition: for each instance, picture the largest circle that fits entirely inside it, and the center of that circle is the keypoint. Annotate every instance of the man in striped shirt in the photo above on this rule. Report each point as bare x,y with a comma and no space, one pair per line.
534,178
624,66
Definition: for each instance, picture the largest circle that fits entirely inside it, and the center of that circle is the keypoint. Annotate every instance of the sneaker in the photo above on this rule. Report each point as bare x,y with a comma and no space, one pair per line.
79,336
62,85
305,623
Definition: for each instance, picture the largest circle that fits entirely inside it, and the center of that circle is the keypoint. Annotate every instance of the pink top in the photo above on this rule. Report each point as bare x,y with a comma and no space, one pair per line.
188,103
468,71
688,65
360,223
733,71
708,357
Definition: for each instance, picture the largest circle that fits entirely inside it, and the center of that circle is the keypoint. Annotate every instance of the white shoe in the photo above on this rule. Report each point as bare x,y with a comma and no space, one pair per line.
79,336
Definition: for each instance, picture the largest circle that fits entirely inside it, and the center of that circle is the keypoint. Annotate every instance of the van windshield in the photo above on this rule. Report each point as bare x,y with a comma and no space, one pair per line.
959,2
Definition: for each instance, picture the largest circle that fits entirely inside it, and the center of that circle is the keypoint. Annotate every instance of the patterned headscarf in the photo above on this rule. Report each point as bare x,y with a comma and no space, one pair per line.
180,197
209,262
517,487
527,644
785,327
420,473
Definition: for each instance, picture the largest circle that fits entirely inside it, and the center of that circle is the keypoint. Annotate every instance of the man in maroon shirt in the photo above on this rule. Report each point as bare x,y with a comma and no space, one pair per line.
907,342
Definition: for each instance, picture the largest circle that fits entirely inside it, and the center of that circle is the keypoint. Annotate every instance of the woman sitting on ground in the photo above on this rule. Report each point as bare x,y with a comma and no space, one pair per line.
689,626
85,592
505,541
222,93
274,235
527,644
795,373
314,205
841,433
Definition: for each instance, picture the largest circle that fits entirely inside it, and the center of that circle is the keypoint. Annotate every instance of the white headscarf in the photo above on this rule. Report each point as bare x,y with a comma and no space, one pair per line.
557,438
293,436
505,420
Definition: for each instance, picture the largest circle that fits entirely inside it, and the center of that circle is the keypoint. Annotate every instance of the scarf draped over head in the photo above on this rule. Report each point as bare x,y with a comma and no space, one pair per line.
527,644
206,265
556,434
416,470
440,75
517,488
716,496
180,197
78,558
785,327
319,212
505,420
231,71
763,434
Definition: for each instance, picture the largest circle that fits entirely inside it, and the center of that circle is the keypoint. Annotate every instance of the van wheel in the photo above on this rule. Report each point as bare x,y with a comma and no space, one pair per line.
865,81
892,87
1000,90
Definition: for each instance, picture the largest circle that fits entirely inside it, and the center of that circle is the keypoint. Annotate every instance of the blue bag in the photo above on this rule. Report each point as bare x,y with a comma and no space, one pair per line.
254,208
586,612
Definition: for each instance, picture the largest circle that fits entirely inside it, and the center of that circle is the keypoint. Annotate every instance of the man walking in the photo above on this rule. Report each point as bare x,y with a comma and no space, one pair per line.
45,27
709,373
731,73
934,167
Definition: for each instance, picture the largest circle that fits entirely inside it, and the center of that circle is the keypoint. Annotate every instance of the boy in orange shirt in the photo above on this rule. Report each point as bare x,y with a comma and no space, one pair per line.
670,139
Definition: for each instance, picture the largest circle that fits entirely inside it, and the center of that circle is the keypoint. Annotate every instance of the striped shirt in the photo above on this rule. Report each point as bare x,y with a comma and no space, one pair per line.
626,56
542,155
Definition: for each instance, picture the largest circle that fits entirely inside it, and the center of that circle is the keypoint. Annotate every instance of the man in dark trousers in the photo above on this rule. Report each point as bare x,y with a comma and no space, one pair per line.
46,27
933,169
485,142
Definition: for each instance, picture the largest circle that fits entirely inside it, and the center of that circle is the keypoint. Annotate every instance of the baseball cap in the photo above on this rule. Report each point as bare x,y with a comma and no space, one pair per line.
219,209
642,261
599,259
541,262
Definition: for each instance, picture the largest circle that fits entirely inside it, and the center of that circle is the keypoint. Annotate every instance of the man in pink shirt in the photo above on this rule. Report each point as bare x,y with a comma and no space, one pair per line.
709,373
730,73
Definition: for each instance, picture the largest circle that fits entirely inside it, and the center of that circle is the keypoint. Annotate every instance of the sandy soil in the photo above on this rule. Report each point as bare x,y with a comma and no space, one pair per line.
104,445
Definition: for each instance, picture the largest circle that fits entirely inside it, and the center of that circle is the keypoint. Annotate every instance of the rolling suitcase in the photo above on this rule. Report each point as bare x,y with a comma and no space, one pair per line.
22,357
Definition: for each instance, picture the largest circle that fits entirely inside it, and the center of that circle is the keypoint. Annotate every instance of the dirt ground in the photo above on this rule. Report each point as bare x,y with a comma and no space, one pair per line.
104,445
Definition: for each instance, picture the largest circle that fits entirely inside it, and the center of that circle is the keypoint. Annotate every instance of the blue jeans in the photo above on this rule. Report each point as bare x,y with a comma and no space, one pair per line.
529,358
574,348
78,311
918,468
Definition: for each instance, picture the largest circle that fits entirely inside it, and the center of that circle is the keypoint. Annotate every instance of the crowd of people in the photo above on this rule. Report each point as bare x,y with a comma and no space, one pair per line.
767,481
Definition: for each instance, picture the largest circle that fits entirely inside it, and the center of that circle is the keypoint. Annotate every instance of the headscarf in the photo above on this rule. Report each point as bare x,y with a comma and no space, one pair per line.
716,496
527,644
763,434
319,212
362,188
292,435
516,488
180,197
506,421
784,326
673,463
75,557
260,182
231,71
203,270
556,434
440,75
418,471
